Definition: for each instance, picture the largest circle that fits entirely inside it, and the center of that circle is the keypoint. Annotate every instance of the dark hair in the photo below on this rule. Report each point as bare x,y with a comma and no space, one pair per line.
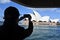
11,11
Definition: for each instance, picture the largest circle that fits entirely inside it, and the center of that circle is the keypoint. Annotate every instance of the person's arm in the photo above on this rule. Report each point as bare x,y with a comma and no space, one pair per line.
27,32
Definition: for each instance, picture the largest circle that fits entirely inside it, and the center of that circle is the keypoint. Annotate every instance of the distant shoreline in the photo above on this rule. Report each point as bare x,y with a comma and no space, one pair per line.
58,24
40,25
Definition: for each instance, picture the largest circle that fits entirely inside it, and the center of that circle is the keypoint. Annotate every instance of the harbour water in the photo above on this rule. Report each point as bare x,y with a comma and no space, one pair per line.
45,33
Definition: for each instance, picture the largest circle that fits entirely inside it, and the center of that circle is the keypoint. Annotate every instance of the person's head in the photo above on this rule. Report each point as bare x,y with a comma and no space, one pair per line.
11,13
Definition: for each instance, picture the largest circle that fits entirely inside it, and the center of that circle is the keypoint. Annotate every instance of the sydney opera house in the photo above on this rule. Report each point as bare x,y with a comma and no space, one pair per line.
37,19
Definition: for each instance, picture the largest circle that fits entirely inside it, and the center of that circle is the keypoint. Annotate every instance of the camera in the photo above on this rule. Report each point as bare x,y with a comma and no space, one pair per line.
25,16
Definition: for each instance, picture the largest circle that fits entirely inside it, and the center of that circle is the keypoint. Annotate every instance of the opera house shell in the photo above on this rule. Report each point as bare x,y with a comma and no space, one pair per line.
37,19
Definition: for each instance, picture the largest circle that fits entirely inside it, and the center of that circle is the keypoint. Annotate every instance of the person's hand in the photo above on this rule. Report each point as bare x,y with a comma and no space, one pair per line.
27,16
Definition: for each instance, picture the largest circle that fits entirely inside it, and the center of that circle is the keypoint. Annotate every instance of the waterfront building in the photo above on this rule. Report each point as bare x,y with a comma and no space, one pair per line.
37,19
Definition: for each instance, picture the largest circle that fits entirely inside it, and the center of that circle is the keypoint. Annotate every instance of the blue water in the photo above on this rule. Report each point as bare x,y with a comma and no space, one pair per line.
45,33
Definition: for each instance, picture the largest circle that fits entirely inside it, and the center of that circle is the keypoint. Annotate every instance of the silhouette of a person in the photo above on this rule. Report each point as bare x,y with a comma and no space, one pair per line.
10,30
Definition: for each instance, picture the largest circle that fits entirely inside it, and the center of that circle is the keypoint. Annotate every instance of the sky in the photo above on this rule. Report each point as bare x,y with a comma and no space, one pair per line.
54,13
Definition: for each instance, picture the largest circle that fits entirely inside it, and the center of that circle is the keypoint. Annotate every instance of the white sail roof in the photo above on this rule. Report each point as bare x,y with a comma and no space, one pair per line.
54,20
39,18
33,17
37,15
45,18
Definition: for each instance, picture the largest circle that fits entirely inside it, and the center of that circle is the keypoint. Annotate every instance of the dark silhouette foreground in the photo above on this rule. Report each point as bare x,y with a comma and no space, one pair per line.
39,3
10,30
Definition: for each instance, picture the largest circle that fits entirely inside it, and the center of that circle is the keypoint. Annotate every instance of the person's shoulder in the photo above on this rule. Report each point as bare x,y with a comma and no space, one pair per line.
1,26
